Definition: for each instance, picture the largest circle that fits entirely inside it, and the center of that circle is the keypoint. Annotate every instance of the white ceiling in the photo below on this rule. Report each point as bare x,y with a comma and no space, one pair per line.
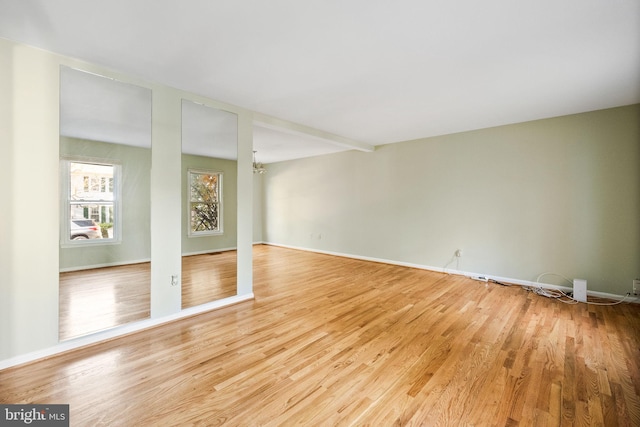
371,71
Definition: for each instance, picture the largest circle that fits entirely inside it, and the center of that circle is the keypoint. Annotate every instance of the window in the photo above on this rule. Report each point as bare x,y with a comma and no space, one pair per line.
91,207
205,203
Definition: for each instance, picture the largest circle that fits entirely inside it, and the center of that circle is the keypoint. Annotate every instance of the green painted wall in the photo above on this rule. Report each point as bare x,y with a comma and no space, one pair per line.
559,195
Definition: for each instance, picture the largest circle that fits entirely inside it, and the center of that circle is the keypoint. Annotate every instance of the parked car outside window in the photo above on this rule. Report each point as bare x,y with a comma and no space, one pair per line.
83,228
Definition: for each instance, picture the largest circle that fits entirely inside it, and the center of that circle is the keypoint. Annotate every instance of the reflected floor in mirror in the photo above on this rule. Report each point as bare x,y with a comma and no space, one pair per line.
208,277
102,298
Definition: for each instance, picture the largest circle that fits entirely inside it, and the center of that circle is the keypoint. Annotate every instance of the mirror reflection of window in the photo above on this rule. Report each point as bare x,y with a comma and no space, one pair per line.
105,199
92,201
209,197
205,203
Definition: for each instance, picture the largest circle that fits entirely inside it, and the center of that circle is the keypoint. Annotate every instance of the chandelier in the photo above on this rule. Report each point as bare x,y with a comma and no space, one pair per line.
257,167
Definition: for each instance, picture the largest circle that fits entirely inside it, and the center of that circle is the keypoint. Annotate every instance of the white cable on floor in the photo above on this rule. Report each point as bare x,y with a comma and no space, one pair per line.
558,295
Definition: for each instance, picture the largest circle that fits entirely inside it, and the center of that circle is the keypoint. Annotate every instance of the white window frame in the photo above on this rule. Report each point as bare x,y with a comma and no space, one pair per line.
65,203
220,230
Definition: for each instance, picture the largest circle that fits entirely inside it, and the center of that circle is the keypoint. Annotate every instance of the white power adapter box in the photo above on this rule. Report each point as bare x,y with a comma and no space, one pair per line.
580,290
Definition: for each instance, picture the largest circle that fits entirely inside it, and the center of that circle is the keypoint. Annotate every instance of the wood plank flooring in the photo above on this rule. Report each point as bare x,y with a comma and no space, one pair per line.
208,277
335,341
101,298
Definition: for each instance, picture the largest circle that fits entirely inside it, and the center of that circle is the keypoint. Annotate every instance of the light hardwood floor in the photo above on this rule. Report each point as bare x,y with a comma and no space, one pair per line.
101,298
208,277
335,341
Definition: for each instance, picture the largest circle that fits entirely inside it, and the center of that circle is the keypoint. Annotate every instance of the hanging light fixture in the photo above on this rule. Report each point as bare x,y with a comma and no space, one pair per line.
257,167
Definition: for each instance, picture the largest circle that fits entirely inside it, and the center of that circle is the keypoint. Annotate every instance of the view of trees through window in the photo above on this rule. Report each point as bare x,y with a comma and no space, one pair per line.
204,202
91,201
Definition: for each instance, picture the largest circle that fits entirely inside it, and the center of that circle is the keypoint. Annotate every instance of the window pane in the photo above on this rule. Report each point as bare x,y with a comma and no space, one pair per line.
204,202
91,201
85,181
91,222
204,217
204,187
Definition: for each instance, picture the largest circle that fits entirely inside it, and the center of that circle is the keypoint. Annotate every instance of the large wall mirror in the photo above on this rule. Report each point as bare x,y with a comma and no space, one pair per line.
105,164
209,204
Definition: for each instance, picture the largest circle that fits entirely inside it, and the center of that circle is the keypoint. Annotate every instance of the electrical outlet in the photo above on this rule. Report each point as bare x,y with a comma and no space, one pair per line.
174,280
636,286
458,253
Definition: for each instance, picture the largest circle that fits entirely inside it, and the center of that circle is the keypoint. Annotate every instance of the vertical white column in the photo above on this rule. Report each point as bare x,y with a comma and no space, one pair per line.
245,204
166,261
29,230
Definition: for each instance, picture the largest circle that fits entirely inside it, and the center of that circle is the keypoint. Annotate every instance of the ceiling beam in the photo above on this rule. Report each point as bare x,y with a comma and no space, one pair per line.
274,123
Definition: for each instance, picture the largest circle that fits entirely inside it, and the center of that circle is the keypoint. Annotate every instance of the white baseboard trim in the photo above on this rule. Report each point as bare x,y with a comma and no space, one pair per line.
209,251
120,331
458,272
103,265
139,261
